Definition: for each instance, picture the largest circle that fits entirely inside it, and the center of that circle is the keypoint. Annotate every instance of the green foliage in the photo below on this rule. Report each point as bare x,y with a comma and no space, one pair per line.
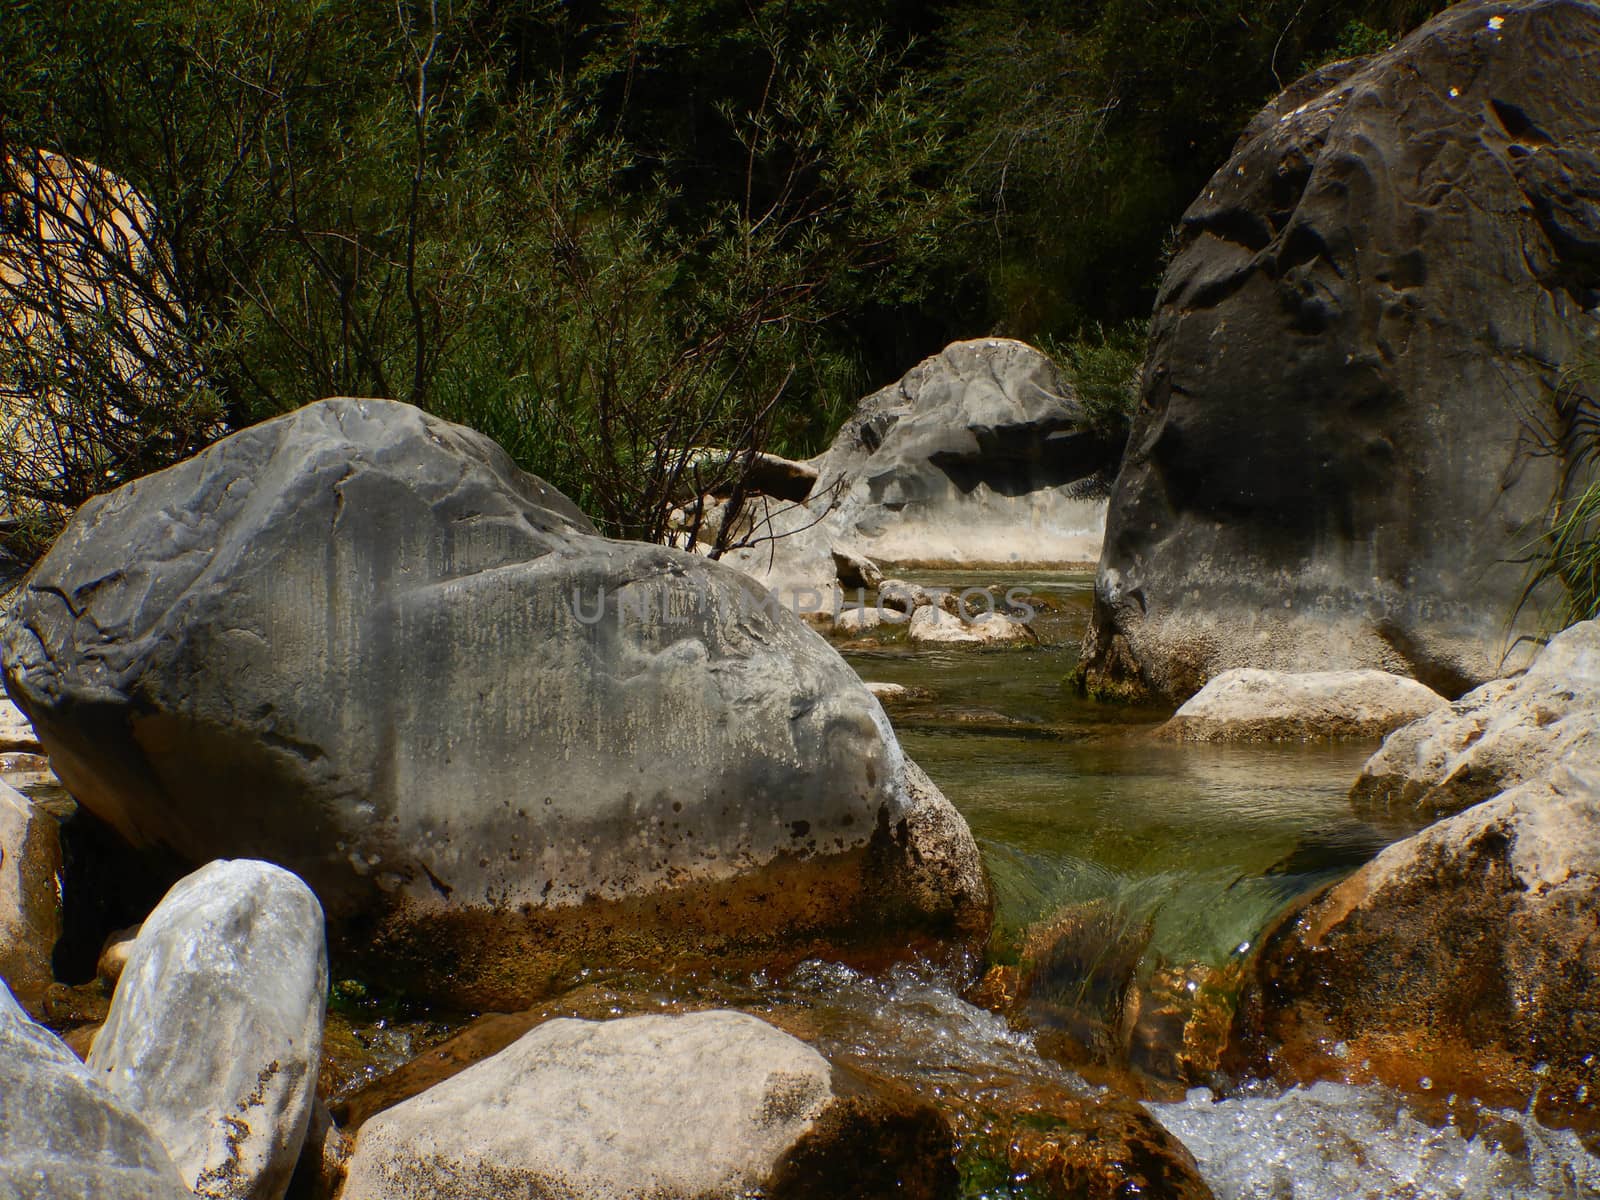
1103,364
1088,128
1570,554
479,213
1564,553
605,232
1359,39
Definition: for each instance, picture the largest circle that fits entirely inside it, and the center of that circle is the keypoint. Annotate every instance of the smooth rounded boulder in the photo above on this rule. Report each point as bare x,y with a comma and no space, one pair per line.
708,1106
64,1135
979,455
215,1028
358,642
1352,431
1247,705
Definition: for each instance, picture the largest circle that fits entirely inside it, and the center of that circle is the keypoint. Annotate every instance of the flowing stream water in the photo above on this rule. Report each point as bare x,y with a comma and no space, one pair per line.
1159,865
1183,853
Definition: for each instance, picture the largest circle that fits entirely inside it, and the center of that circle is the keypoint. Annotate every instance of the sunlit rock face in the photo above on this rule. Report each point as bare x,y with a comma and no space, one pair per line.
62,1133
1248,705
30,896
215,1029
91,328
356,641
1462,960
1508,731
693,1107
980,455
1352,416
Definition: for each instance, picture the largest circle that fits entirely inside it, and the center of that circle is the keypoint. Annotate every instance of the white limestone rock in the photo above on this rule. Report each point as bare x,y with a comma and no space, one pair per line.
63,1136
1250,705
1508,731
215,1029
708,1106
30,895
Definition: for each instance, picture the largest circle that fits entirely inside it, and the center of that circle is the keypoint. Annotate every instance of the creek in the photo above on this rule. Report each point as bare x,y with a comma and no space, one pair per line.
1149,870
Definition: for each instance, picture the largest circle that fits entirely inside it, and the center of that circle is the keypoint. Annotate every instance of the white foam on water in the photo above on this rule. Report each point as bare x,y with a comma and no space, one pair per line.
1335,1142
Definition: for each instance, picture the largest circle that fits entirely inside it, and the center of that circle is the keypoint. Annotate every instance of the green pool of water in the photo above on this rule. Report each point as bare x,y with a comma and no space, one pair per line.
1075,803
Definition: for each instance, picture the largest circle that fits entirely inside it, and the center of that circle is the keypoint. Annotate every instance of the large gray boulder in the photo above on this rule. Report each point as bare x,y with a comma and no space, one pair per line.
1352,410
62,1135
30,895
980,455
709,1106
356,641
1499,735
215,1030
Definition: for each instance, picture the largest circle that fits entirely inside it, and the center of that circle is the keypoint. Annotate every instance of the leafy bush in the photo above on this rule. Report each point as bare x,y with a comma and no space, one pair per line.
1564,553
606,232
451,205
1103,364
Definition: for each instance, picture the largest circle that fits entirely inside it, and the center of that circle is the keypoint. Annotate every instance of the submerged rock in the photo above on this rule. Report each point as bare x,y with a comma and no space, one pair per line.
713,1104
1248,705
215,1029
30,896
935,626
1336,461
1461,961
1496,736
1083,1151
981,454
63,1135
358,642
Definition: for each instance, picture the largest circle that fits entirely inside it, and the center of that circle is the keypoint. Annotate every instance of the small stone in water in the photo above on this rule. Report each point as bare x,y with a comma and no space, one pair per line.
1425,1083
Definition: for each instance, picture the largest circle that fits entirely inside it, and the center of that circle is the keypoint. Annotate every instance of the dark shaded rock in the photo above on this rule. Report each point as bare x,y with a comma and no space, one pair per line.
714,471
61,1133
358,642
1464,960
1349,428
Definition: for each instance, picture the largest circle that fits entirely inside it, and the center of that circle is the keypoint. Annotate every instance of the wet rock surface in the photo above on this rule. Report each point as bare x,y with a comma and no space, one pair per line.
1337,461
215,1029
1248,705
497,746
1462,961
1496,736
64,1135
